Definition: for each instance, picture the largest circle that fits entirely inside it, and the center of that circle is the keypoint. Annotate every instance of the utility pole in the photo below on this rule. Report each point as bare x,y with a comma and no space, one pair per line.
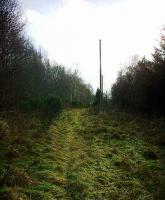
100,69
101,75
102,81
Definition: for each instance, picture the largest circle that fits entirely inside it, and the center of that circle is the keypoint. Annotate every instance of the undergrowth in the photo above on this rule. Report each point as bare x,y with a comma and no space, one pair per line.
82,155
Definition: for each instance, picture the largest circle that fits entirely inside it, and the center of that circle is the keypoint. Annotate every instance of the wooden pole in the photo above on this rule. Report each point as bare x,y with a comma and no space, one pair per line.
102,80
100,68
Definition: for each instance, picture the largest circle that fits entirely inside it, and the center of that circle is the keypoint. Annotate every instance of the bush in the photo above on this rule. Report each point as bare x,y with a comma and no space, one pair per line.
97,98
31,105
77,104
52,105
48,105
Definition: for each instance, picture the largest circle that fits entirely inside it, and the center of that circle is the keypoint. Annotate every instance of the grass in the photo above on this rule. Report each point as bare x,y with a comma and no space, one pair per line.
82,155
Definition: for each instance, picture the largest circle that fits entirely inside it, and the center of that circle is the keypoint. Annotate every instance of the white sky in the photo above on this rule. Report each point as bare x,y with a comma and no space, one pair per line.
69,31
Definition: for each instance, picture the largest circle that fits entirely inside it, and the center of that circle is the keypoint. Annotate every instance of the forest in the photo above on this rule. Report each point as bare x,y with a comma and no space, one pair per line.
26,74
59,140
140,87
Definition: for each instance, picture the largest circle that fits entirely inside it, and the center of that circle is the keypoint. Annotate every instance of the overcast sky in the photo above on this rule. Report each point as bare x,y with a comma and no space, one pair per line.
69,31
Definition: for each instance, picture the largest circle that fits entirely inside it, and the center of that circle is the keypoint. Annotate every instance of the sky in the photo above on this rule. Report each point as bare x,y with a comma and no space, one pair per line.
69,32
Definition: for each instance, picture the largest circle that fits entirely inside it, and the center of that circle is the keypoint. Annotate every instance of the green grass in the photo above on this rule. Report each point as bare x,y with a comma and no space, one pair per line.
82,155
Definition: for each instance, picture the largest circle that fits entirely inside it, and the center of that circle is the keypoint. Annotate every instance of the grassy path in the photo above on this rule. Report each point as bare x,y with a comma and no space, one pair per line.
97,159
83,156
73,154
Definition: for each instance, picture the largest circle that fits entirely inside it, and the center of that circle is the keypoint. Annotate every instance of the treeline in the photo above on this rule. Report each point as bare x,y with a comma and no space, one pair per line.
141,86
27,79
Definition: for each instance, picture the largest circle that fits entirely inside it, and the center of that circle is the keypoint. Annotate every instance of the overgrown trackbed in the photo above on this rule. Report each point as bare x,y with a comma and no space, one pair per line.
82,156
96,159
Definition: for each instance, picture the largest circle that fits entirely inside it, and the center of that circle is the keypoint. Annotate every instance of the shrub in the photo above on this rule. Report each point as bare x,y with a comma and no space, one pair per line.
31,105
97,98
49,105
52,105
77,104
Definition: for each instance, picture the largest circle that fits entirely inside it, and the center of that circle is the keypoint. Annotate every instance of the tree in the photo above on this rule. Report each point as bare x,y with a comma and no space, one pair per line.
97,97
26,75
11,50
141,87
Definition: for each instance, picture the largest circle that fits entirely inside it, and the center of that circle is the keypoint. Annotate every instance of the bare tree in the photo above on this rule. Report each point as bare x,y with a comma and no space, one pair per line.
11,48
